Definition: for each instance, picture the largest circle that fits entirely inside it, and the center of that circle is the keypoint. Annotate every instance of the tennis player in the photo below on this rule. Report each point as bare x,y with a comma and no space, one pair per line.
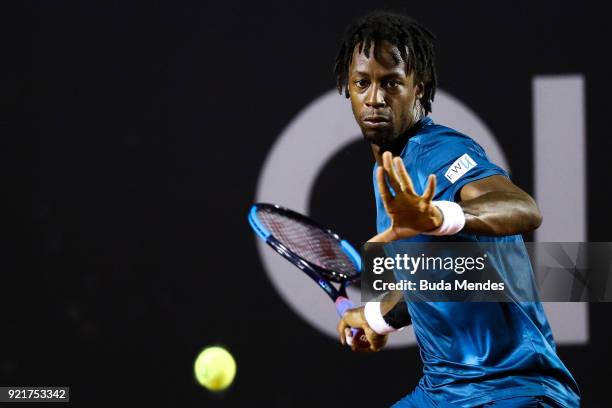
445,188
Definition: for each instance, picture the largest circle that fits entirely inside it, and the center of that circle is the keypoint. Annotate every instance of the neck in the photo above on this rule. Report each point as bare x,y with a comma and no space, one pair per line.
377,152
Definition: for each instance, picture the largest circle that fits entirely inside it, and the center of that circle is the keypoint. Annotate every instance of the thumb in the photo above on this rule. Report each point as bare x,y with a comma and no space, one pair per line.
385,236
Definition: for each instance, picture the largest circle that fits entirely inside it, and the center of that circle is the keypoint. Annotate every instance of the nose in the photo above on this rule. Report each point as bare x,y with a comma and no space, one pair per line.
375,97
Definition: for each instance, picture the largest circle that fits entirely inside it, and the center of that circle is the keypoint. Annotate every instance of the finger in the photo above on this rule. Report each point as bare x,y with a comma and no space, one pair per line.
342,326
392,177
403,176
354,344
383,188
348,335
377,345
391,174
430,189
371,340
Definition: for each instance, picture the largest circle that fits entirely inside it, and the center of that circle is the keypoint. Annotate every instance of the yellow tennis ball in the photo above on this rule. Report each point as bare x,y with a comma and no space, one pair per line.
215,368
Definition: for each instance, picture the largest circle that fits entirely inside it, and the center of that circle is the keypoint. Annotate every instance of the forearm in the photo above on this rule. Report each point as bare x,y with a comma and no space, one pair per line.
389,300
499,213
398,316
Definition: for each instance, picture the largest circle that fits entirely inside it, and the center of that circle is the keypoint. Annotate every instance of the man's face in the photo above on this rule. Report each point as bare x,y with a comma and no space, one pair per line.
382,95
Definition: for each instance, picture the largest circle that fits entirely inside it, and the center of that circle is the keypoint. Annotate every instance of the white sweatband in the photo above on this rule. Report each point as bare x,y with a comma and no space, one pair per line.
453,218
376,320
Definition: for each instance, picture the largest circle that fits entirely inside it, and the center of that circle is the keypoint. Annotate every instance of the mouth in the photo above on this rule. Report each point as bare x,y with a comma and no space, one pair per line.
376,121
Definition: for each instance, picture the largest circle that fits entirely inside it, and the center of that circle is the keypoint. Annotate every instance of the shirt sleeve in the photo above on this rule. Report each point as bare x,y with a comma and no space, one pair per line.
457,161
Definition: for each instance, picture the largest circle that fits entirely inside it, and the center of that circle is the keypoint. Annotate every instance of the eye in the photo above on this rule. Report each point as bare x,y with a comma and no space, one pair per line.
393,84
361,83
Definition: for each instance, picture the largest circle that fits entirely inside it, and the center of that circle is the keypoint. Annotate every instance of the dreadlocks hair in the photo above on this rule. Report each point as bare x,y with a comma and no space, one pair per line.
414,42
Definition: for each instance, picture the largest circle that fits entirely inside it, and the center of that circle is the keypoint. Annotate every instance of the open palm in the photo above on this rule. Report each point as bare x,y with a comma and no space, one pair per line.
409,212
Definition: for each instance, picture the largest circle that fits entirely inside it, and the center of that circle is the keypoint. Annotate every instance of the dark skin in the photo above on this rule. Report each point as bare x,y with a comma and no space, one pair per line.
385,101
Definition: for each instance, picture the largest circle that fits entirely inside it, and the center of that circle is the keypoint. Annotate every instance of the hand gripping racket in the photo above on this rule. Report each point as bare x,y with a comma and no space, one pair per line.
314,249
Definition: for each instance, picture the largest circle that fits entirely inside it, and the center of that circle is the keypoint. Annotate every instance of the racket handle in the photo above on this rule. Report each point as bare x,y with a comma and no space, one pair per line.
342,305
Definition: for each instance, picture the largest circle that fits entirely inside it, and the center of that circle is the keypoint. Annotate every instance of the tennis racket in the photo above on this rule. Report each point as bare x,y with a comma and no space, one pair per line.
315,250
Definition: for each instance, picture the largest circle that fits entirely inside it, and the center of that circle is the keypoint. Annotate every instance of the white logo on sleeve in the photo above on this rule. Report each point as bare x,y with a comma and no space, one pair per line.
461,166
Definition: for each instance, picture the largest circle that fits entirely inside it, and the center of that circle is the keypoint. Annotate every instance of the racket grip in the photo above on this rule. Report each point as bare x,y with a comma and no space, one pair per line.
342,305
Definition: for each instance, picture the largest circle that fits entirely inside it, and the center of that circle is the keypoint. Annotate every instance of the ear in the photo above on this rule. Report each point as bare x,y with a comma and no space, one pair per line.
420,90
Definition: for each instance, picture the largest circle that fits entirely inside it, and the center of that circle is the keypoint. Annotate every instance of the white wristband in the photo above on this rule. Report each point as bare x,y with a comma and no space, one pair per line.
453,218
376,320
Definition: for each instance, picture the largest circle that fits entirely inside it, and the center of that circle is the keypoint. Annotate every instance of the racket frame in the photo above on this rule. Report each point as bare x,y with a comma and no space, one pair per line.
320,275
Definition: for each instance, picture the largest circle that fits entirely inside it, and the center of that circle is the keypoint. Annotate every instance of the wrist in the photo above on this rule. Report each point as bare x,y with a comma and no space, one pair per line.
373,316
452,218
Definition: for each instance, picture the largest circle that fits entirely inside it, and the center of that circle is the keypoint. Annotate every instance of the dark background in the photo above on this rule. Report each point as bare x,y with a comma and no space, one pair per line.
146,125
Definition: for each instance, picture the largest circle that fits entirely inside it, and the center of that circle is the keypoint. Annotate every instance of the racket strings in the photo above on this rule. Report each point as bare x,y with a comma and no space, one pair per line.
308,242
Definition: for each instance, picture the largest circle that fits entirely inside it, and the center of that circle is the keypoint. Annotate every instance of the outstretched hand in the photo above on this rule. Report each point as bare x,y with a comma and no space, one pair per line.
409,212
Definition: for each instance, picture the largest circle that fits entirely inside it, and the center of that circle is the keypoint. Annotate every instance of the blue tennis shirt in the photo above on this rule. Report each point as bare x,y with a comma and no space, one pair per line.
478,352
